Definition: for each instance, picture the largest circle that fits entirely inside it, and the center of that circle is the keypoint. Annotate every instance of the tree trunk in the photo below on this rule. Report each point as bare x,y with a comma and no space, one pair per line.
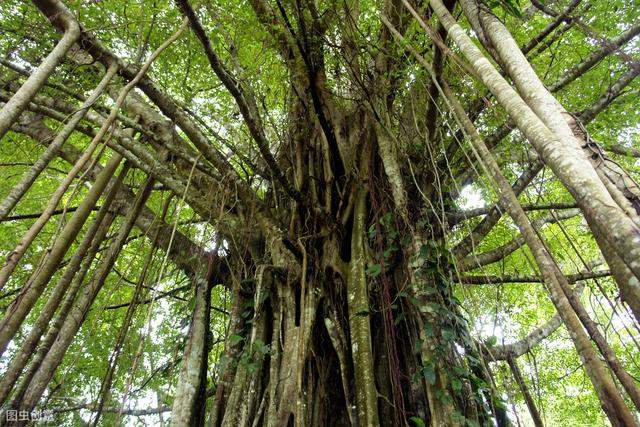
517,375
189,405
338,255
12,109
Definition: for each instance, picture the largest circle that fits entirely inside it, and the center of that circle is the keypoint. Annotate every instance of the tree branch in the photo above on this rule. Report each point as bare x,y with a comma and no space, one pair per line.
473,261
492,280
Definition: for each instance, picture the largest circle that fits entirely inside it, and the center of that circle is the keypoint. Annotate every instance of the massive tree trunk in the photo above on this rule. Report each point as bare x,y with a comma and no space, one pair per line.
339,256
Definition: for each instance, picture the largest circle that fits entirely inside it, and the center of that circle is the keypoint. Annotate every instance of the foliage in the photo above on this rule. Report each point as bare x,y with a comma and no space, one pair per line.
495,314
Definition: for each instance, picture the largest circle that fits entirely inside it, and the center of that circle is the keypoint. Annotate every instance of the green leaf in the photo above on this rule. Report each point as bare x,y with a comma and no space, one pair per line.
491,341
418,421
235,339
456,384
389,251
429,374
448,334
373,270
261,347
428,329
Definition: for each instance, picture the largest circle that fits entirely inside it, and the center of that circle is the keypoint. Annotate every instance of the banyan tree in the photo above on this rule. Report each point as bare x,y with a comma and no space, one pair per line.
319,212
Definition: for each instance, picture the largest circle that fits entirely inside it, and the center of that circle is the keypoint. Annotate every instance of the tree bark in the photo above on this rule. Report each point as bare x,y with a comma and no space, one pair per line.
189,404
342,280
12,109
359,312
533,410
